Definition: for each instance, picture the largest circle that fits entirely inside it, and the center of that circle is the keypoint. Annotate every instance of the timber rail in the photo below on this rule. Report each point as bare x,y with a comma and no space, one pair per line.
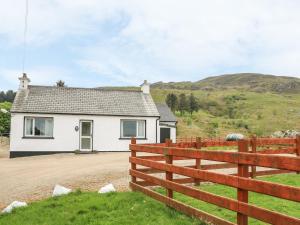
252,153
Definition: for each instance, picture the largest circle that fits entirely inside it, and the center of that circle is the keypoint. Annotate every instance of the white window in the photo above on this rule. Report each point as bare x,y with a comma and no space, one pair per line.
38,127
133,128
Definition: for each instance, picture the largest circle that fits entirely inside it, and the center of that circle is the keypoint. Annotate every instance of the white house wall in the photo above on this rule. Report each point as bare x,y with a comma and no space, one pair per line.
106,133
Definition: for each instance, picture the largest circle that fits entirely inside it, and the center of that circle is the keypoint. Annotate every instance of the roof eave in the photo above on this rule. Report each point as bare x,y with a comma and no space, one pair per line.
85,114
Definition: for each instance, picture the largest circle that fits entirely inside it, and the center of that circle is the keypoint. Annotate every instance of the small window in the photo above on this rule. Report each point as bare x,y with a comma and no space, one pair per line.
38,127
133,128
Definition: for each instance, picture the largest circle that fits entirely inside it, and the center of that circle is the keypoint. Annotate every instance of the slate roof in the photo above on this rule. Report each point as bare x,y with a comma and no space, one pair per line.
166,114
84,101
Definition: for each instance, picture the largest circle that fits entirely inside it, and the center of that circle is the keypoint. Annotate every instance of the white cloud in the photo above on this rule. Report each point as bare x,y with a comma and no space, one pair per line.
167,40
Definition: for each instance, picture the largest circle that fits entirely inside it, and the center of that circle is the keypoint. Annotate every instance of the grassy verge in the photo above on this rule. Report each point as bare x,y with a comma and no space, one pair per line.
93,208
136,208
272,203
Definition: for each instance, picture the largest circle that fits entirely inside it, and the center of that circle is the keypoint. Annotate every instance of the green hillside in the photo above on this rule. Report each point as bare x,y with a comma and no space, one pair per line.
242,81
239,108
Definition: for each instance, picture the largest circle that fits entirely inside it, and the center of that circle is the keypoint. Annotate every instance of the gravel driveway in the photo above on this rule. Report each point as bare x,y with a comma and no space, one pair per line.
32,178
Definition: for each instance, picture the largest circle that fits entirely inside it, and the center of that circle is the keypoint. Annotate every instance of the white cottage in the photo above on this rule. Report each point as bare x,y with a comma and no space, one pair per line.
50,119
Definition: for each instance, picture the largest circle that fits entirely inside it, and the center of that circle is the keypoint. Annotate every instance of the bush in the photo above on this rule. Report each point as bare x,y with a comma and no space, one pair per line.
259,116
5,118
242,124
212,129
258,132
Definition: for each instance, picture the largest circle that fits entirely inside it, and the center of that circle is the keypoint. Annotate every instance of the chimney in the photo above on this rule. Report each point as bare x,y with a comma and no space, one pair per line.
24,81
145,87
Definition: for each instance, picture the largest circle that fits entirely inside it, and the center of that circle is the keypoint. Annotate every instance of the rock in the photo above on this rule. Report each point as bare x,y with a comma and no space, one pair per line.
234,137
285,134
14,204
107,188
60,190
278,134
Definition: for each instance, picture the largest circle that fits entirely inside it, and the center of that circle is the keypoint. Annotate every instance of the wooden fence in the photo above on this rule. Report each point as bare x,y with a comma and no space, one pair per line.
164,155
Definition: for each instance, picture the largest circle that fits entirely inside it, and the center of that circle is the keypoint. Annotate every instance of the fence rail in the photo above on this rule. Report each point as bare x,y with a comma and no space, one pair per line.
144,168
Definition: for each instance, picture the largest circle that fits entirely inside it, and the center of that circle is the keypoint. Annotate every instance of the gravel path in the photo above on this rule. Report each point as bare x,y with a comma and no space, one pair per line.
4,146
32,178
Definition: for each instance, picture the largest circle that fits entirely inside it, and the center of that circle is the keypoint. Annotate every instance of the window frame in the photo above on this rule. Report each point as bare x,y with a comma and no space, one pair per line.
33,136
136,135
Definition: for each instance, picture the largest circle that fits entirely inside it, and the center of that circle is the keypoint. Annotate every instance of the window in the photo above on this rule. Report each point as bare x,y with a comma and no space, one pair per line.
38,127
133,128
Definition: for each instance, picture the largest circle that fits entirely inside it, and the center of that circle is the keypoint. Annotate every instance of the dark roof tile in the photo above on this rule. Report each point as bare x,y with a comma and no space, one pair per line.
166,114
88,101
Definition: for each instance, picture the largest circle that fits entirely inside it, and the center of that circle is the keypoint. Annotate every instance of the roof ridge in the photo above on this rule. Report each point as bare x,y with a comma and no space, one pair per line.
81,88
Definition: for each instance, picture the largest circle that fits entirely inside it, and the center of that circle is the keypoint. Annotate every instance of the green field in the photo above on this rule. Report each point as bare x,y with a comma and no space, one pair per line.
92,208
227,111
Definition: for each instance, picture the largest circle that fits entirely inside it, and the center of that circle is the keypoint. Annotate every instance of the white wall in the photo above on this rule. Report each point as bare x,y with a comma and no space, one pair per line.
106,133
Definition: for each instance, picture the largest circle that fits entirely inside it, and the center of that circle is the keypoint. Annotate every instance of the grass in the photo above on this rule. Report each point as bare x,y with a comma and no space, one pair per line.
89,208
272,203
135,208
253,113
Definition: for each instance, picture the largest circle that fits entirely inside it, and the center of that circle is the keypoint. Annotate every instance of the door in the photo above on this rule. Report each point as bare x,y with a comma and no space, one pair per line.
86,135
164,133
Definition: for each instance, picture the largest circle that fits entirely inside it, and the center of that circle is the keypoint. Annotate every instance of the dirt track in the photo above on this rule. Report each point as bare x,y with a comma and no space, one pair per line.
32,178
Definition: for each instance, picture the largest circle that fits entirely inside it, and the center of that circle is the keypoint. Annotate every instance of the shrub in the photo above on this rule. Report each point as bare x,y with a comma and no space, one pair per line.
241,124
259,116
5,118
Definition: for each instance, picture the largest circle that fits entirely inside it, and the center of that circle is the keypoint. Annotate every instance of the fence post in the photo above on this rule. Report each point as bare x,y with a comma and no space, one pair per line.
253,147
298,147
169,175
242,195
133,154
198,161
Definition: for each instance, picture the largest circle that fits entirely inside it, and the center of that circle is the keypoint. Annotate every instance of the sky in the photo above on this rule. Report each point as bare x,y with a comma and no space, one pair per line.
91,43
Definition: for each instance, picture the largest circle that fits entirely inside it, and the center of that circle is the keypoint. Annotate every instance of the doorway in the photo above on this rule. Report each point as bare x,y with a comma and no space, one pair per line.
164,133
86,135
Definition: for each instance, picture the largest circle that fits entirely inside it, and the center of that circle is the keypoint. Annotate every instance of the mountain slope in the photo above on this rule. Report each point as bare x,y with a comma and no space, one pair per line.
229,111
241,81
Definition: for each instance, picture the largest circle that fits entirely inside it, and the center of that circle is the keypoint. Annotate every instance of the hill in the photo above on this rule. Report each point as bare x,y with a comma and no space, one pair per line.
246,103
226,111
241,81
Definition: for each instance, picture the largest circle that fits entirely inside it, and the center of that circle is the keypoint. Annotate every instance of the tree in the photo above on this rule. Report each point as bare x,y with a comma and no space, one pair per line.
193,104
60,83
5,118
183,103
8,96
172,101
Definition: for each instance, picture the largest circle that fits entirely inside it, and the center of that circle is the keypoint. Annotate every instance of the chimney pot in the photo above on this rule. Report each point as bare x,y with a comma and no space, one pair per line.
24,82
145,87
